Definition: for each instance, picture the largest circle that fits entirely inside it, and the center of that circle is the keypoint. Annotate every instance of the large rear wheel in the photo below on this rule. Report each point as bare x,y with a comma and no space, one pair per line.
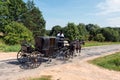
35,59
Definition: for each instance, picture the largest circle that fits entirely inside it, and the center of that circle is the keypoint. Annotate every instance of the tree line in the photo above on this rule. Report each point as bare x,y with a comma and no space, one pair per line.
20,20
88,32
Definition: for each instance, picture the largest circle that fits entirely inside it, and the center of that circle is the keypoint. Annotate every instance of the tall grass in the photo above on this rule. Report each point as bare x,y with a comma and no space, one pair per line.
9,48
111,62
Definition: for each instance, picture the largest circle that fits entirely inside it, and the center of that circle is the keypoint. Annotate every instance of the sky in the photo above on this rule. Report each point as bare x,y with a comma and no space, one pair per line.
60,12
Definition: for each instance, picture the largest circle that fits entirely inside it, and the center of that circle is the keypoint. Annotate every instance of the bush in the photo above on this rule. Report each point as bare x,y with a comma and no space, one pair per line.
99,37
16,32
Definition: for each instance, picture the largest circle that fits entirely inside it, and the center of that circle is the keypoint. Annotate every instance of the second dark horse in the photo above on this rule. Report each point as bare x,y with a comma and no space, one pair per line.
76,46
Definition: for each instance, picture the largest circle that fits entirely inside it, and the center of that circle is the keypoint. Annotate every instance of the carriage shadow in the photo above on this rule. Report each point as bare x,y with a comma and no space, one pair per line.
11,61
24,65
32,65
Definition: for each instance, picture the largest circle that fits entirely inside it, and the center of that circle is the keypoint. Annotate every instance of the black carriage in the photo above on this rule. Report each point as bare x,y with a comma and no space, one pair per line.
45,47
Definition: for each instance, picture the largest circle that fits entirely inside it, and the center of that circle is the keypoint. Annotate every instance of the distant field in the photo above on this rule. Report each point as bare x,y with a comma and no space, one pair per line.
94,43
111,62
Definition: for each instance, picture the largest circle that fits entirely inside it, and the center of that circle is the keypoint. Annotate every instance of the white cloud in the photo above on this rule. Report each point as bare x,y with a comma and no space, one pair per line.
108,6
115,22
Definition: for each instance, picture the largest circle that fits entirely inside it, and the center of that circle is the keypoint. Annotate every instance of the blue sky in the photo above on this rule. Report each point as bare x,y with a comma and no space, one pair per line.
60,12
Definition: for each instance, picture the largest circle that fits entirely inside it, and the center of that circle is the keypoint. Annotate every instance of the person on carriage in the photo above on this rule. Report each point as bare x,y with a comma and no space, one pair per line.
60,37
60,34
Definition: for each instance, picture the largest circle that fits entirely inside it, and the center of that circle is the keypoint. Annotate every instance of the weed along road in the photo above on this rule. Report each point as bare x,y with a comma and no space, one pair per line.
10,69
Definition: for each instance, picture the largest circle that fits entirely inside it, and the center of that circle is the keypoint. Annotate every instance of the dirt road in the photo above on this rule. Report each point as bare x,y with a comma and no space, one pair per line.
75,69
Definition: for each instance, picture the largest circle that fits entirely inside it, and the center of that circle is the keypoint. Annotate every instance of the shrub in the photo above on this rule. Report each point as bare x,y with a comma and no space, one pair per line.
16,32
99,37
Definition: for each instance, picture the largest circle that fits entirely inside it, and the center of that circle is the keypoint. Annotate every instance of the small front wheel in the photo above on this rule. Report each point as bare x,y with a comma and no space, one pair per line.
22,57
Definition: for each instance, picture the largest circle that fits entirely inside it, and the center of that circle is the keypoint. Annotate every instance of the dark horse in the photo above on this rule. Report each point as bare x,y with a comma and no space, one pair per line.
76,46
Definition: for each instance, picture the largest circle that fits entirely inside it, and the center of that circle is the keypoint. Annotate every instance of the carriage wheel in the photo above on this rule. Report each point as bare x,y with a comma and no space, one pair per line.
34,60
22,57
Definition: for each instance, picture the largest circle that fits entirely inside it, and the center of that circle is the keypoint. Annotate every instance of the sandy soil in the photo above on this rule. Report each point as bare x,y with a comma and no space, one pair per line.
77,69
7,55
81,70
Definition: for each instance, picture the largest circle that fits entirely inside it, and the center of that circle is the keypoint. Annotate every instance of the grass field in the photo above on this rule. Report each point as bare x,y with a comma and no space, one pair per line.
94,43
111,62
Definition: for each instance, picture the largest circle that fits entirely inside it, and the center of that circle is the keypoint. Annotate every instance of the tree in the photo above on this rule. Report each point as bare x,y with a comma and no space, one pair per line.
10,10
33,19
82,31
110,34
92,29
99,37
72,31
30,5
16,32
16,9
118,30
55,30
3,14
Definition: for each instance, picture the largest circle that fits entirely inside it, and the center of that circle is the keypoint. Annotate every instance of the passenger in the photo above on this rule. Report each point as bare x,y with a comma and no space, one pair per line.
60,34
60,37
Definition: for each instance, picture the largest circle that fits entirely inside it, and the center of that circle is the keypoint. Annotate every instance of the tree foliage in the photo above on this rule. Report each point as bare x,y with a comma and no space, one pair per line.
3,14
10,10
99,37
55,30
16,8
92,29
110,34
33,19
16,32
83,31
13,12
72,31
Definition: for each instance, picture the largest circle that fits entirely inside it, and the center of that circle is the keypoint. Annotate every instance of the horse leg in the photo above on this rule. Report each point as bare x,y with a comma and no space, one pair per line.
79,50
72,54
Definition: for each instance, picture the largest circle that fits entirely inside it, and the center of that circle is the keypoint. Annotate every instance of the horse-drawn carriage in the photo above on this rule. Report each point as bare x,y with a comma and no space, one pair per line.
45,47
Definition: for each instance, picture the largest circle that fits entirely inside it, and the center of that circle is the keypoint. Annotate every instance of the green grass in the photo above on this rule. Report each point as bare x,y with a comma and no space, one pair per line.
42,78
94,43
9,48
111,62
